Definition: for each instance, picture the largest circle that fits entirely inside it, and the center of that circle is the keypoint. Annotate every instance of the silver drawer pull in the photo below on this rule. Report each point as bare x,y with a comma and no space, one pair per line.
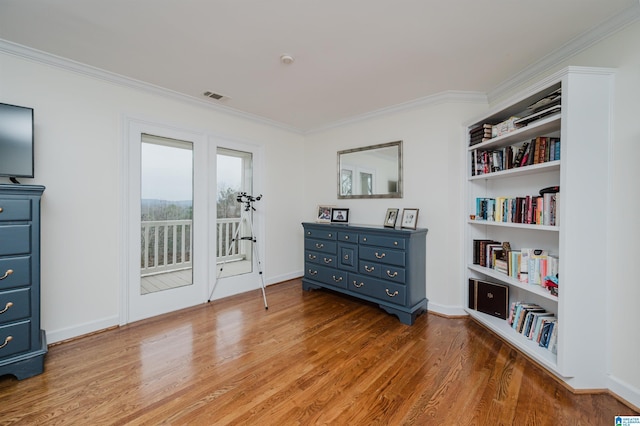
6,307
346,237
330,235
6,341
1,209
380,256
313,272
328,260
394,294
355,283
369,269
319,245
338,279
313,257
364,239
395,243
390,275
6,274
346,257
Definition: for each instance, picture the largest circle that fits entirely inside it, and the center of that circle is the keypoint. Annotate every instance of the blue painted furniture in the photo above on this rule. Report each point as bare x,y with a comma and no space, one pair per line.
382,265
23,344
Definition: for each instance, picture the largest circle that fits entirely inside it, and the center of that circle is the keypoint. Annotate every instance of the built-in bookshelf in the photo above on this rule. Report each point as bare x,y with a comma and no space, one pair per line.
553,136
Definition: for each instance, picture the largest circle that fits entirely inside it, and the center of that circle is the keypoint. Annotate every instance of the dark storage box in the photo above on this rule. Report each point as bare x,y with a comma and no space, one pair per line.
489,298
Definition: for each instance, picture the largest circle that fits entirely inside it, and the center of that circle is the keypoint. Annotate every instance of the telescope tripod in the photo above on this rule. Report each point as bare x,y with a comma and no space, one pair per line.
243,218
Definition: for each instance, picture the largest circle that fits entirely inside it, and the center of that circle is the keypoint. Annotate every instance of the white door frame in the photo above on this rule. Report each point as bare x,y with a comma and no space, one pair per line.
135,307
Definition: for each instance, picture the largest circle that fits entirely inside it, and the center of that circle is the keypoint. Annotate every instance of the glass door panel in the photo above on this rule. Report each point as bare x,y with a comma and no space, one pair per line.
234,176
166,202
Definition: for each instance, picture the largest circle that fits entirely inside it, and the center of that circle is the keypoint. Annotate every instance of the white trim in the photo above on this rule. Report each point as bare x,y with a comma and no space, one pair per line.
35,55
447,310
81,329
624,390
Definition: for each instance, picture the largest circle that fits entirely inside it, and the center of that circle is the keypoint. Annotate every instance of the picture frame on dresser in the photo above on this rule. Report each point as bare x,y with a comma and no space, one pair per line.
323,213
409,218
339,215
391,218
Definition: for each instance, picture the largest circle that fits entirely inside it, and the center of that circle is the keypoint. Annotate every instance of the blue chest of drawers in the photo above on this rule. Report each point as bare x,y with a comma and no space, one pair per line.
22,343
381,265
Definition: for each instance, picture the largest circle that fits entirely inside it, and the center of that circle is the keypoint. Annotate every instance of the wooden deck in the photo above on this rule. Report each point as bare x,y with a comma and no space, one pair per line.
169,280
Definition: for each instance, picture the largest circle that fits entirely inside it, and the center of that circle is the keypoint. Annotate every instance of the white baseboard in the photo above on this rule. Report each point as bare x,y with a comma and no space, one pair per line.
81,329
284,277
624,390
446,310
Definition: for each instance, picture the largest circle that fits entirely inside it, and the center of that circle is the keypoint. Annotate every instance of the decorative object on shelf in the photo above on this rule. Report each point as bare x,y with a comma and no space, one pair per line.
324,214
339,215
391,218
409,218
489,298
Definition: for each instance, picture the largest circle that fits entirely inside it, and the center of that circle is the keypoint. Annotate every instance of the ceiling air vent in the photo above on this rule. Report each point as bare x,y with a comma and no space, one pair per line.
215,96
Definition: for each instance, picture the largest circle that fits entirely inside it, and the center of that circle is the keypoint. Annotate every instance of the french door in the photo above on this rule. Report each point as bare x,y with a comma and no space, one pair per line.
167,215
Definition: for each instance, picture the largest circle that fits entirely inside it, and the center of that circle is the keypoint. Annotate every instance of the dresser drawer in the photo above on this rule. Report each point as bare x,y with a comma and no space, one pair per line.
376,240
15,272
14,305
14,338
348,256
323,234
320,245
321,258
379,270
348,237
381,290
14,210
325,275
382,255
15,239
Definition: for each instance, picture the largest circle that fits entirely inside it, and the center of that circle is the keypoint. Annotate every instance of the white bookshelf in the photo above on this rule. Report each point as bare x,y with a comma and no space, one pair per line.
579,240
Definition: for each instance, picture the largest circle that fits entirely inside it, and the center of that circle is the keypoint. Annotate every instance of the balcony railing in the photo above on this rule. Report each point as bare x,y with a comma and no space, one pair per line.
167,245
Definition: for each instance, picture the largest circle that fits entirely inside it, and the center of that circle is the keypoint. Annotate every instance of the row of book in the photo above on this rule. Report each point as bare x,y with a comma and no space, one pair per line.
539,150
535,323
527,265
531,209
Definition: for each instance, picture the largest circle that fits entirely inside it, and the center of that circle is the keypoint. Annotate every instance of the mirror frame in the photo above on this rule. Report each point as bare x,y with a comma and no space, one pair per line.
397,194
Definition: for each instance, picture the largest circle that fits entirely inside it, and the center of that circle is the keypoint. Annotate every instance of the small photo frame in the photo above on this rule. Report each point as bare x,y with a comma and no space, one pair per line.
409,218
323,214
391,218
339,215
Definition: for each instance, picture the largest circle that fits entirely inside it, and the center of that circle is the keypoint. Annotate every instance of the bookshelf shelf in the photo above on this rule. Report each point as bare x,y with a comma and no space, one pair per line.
520,342
515,225
505,279
520,171
583,126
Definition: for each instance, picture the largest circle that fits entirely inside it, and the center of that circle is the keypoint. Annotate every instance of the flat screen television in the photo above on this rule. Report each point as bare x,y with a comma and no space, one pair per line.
16,141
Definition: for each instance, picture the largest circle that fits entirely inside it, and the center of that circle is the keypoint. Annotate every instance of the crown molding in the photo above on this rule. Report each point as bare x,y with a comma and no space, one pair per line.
39,56
569,49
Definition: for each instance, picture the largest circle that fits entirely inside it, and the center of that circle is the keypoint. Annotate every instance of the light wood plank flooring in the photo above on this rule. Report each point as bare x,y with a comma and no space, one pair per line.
311,358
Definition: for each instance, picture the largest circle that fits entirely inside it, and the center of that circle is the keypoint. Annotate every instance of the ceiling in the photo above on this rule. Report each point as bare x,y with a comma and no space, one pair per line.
351,57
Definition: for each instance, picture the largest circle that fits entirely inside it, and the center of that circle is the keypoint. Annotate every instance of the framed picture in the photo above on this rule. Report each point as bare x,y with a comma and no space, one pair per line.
340,215
409,218
391,218
323,214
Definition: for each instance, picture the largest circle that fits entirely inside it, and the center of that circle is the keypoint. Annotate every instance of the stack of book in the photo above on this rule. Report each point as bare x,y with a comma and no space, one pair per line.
527,265
539,150
479,134
535,323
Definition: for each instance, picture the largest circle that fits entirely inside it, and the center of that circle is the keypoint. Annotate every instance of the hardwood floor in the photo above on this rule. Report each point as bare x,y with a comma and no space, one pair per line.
312,358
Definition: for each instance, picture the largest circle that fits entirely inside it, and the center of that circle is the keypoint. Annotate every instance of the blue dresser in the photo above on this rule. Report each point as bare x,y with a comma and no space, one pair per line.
22,343
381,265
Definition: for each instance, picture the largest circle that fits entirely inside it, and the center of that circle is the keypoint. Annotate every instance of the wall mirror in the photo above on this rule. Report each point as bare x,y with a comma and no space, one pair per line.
371,172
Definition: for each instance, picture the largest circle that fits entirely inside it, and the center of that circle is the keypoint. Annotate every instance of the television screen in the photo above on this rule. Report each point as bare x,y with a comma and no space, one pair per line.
16,141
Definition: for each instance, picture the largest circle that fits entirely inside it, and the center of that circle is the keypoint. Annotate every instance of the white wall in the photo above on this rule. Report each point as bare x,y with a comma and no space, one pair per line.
79,136
432,182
